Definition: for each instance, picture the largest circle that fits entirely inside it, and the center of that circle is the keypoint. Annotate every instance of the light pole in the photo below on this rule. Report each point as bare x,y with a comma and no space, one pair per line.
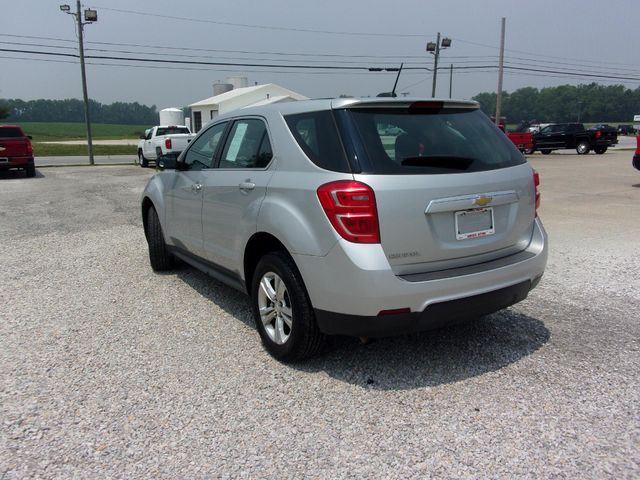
434,49
90,16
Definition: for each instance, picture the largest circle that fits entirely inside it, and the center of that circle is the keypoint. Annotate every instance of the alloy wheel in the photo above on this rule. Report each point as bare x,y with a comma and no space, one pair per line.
275,309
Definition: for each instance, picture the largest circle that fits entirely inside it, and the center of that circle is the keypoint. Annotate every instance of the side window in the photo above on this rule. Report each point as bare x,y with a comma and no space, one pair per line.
148,133
245,146
317,136
203,149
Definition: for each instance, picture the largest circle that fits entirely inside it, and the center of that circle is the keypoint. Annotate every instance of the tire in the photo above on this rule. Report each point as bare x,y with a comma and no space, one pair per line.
529,151
144,163
289,331
31,170
159,256
545,151
600,150
583,148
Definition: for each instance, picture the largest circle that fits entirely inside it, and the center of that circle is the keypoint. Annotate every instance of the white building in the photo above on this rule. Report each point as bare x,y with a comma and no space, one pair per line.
206,110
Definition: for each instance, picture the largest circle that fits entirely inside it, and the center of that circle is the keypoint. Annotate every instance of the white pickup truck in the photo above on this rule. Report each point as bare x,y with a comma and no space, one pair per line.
162,140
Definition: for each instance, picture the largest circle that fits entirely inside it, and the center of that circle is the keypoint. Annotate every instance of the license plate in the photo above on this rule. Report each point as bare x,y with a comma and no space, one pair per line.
474,223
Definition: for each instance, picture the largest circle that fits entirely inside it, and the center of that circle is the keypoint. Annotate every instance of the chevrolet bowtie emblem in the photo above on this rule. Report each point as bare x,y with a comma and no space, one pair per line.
482,200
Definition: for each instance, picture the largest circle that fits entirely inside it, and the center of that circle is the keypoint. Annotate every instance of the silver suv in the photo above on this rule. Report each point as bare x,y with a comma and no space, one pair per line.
367,217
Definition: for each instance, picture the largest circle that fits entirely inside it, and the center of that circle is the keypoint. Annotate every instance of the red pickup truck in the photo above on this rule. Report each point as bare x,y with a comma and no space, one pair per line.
521,139
16,150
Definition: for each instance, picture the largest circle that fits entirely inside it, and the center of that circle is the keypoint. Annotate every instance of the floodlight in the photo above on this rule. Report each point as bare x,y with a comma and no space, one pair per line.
90,15
446,42
431,47
65,8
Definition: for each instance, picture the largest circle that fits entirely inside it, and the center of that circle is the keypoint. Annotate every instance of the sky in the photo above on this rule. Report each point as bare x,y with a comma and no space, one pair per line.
560,37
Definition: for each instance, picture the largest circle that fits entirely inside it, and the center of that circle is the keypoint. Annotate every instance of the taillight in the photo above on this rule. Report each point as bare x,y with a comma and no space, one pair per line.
29,148
536,184
167,143
351,208
638,144
598,133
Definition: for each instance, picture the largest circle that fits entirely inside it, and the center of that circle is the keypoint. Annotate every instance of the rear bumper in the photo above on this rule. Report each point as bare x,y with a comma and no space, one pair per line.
435,315
352,284
16,162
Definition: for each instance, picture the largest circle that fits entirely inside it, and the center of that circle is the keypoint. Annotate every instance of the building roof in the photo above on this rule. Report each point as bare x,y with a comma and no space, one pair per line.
255,90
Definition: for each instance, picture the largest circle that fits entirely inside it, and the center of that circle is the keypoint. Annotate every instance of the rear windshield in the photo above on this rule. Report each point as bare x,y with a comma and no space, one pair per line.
317,136
432,141
171,130
11,132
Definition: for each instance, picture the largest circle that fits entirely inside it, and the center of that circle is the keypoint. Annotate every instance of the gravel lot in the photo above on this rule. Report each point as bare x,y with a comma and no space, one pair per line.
112,371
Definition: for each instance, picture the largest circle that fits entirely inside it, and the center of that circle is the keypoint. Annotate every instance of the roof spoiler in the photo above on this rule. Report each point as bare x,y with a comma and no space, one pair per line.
413,104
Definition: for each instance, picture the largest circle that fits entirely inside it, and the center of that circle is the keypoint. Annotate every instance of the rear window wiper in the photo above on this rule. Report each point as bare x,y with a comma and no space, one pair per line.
439,161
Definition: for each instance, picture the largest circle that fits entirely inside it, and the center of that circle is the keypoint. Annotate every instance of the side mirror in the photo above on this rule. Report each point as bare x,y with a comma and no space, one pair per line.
29,137
168,162
142,137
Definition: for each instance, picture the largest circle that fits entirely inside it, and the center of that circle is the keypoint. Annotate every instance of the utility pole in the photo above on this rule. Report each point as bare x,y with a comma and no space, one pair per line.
90,16
500,73
435,66
434,49
450,79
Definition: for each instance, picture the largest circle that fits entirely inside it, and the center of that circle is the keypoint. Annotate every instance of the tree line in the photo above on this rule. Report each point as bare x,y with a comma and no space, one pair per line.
72,110
566,103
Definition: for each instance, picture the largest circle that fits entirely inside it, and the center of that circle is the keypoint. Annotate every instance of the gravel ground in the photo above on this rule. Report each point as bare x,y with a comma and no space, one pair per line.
112,371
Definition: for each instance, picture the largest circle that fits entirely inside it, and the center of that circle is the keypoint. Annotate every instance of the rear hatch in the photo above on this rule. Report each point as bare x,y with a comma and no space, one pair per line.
13,143
451,189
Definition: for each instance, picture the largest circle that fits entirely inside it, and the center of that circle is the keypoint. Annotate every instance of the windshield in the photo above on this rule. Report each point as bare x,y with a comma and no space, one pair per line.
432,142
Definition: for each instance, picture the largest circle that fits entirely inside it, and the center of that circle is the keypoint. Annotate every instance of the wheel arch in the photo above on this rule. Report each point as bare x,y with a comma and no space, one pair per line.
146,206
258,246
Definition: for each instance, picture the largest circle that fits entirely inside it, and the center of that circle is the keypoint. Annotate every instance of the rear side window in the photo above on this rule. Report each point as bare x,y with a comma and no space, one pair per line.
247,146
398,141
11,132
317,136
172,131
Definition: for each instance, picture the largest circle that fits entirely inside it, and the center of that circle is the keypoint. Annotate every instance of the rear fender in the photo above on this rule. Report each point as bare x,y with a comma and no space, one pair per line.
299,223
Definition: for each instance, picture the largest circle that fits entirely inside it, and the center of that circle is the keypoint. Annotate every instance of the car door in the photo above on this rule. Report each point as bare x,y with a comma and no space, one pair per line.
184,198
546,138
147,149
234,191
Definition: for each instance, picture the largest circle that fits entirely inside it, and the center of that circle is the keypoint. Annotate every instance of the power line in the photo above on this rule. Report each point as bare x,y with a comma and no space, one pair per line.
306,66
542,55
264,27
186,68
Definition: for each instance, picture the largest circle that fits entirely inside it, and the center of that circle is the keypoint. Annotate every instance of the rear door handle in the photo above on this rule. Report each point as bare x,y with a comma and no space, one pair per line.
247,185
196,187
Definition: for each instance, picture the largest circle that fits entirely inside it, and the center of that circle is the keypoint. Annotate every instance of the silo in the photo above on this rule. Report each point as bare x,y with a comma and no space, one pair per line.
238,82
171,116
219,88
